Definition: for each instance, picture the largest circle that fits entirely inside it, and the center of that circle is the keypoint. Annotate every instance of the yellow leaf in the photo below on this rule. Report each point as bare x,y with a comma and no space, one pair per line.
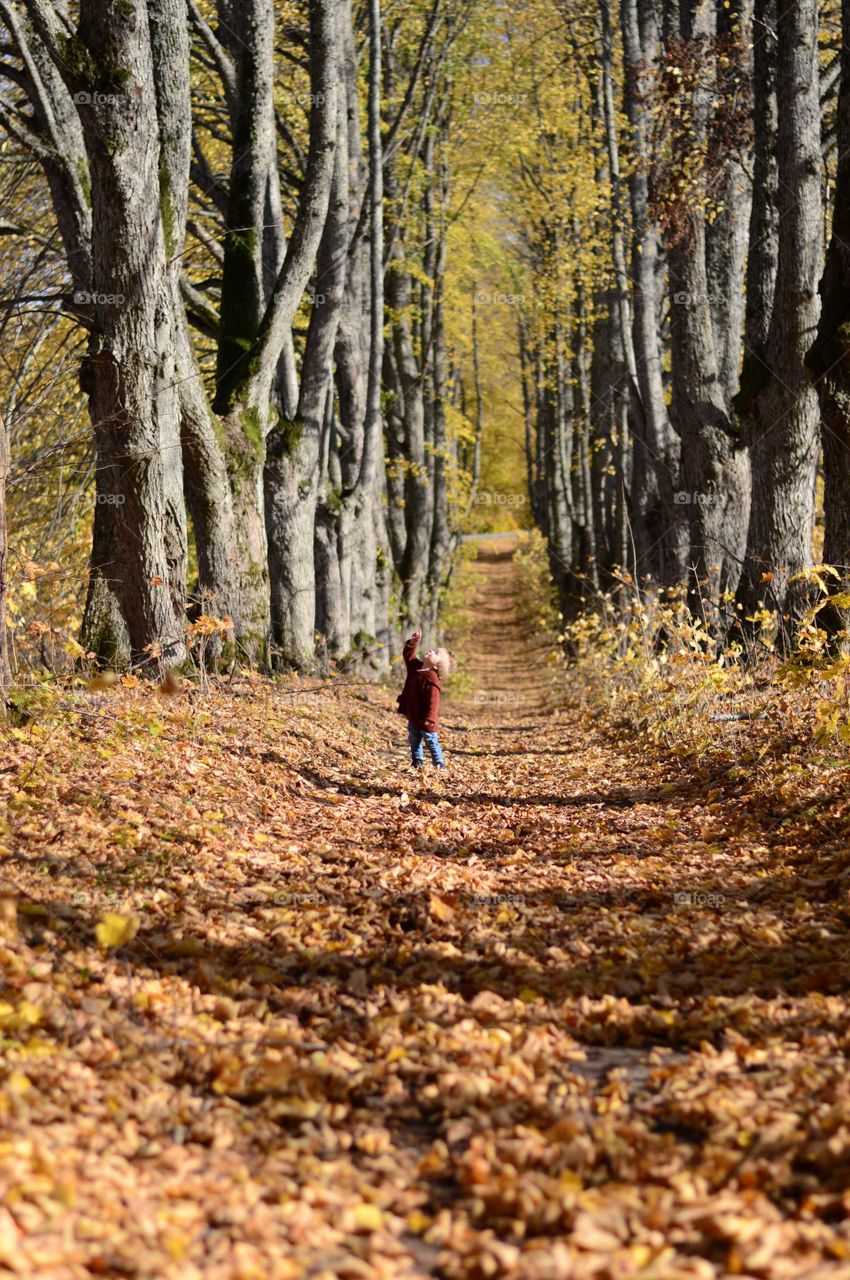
417,1222
104,680
114,930
440,909
367,1217
29,1014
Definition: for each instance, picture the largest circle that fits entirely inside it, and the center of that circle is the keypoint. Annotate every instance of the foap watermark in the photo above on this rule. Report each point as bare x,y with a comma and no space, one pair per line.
304,98
498,298
492,498
497,699
498,899
684,499
684,299
101,901
85,99
314,299
498,98
702,899
102,499
312,899
82,298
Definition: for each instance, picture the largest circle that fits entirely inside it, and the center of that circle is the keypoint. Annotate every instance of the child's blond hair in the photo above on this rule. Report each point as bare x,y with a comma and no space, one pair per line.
445,663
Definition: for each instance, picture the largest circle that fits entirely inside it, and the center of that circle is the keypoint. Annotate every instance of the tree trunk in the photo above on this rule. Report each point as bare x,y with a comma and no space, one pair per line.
293,472
129,373
207,487
783,417
440,548
829,358
336,595
714,469
256,320
726,235
4,565
371,562
666,529
205,480
407,411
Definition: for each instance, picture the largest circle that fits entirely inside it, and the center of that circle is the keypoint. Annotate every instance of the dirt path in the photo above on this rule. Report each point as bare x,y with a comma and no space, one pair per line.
569,1013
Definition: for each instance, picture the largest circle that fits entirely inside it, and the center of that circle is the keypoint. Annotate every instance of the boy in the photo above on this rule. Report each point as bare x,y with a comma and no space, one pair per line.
419,700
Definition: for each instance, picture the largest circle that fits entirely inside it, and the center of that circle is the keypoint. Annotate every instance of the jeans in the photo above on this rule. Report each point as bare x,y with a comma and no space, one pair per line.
418,740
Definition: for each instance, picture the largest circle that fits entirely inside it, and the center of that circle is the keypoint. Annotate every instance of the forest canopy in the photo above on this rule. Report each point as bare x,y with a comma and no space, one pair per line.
298,294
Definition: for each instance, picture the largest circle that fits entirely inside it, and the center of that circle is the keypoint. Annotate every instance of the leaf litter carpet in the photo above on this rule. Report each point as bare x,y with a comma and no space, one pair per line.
275,1006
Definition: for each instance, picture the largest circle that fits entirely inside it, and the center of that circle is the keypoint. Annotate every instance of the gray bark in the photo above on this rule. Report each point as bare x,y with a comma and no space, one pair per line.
407,426
664,526
56,138
714,470
829,358
293,468
4,564
371,537
783,417
129,374
257,316
206,487
726,236
764,217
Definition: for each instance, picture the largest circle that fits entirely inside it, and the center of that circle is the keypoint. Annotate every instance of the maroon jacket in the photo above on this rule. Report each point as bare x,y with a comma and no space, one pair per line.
419,700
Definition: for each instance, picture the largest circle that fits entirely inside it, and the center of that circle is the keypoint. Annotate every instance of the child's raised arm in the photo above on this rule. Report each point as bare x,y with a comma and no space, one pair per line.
409,651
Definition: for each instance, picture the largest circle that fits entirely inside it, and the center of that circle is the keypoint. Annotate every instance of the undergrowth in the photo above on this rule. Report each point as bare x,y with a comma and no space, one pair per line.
651,667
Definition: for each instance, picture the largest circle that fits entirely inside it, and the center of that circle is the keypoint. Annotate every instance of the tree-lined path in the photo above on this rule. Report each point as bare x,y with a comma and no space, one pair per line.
275,1006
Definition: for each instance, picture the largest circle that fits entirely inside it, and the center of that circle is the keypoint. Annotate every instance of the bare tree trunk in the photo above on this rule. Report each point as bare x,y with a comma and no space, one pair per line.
247,30
440,549
526,370
783,417
206,485
139,554
337,595
4,564
404,378
257,317
56,139
666,529
102,153
371,537
726,235
829,358
714,469
205,481
293,465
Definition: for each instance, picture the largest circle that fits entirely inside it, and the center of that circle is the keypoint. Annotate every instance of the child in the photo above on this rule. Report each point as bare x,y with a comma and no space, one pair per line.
419,700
